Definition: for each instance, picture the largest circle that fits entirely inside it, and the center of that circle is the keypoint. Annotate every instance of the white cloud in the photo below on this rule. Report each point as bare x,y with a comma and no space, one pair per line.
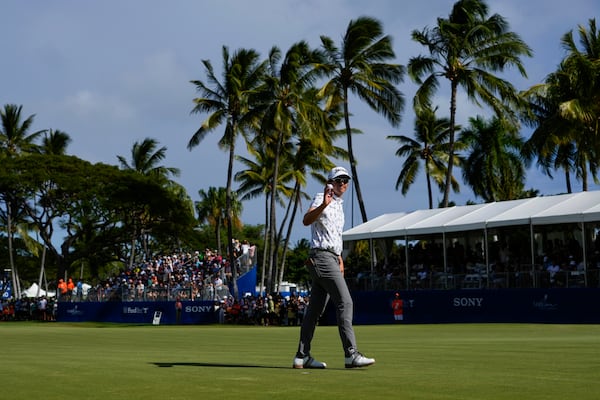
89,105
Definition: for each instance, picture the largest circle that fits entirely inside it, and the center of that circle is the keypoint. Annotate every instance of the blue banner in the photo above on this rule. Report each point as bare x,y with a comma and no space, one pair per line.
419,306
460,306
138,312
7,294
246,283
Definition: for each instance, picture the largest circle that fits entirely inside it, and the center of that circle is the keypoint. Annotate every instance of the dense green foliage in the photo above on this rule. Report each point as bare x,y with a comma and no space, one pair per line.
99,208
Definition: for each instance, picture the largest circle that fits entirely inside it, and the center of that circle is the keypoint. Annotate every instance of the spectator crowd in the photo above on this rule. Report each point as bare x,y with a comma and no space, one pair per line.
270,310
202,275
28,309
179,276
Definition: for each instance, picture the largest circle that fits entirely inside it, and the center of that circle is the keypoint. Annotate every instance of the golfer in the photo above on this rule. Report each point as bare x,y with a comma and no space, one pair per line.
326,219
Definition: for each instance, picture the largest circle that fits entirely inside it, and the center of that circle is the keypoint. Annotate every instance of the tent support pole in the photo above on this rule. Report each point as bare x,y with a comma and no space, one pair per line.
532,247
444,247
487,254
407,279
584,239
372,251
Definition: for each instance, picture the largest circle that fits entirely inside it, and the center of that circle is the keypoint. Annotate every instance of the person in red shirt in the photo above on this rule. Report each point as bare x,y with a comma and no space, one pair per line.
236,309
398,307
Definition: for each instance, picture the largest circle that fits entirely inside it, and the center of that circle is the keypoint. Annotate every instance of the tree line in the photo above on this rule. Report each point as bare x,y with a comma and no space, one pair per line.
292,108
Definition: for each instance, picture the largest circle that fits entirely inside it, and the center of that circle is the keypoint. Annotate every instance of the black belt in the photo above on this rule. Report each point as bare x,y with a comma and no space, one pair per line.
327,250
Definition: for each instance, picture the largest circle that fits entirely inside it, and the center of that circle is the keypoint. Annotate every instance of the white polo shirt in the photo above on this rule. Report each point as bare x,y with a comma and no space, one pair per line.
326,231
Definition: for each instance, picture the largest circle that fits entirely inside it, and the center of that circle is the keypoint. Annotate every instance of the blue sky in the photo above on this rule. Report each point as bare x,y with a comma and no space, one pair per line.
113,72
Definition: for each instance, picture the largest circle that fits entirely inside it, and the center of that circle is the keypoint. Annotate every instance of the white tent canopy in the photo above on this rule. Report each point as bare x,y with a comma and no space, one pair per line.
432,224
35,291
399,226
559,209
521,214
581,208
574,210
363,231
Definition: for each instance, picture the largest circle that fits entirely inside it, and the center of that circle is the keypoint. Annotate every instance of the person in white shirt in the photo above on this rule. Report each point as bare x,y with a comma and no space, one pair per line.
326,266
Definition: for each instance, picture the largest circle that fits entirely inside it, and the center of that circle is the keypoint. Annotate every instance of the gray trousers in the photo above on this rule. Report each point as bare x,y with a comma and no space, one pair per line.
327,282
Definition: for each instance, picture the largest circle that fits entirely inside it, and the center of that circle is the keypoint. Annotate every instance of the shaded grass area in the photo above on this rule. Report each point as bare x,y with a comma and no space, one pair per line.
450,361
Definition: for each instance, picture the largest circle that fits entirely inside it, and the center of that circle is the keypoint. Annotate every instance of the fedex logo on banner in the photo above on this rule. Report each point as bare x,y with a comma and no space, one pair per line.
135,310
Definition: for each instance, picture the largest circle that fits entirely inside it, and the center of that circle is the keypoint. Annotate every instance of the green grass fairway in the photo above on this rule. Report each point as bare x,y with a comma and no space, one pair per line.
454,361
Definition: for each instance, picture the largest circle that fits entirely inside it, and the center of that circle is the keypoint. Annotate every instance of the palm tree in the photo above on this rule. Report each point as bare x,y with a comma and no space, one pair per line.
583,66
256,180
228,102
14,136
145,159
493,167
466,48
360,66
581,105
311,156
15,139
212,208
308,156
565,110
289,106
55,142
430,147
553,140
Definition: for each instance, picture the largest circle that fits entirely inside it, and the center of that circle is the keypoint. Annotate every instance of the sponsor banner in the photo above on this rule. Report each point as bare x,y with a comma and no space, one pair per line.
577,305
138,312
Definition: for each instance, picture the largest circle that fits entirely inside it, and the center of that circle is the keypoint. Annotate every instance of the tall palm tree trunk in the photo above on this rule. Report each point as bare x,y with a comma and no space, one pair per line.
145,243
132,255
584,176
453,86
42,271
13,269
289,232
271,243
218,235
568,181
279,268
229,212
429,194
355,182
272,213
265,247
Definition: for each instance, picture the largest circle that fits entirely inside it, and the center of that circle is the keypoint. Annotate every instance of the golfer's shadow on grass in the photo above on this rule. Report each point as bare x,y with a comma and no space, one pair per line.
219,365
213,365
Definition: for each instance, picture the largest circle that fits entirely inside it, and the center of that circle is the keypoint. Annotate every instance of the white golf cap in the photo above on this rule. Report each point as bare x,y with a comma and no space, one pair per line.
338,172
